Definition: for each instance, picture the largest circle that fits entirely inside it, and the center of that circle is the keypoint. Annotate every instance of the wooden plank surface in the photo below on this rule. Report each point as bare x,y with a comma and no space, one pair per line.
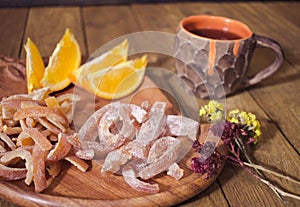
267,153
46,26
104,24
288,10
166,18
237,184
239,196
75,188
277,28
12,24
278,91
275,101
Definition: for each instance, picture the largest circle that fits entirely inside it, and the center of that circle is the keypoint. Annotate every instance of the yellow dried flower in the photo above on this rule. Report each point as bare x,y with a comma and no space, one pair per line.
233,116
202,111
246,119
213,111
216,116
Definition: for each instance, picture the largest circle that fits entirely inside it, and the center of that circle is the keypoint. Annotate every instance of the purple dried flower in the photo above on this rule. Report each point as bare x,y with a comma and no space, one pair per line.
234,136
207,150
229,131
208,161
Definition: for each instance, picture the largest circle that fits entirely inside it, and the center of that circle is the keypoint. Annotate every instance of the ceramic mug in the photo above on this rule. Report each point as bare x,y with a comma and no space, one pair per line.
213,54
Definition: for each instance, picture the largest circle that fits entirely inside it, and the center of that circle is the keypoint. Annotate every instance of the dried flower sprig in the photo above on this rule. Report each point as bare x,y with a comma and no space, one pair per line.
247,120
238,130
213,111
208,161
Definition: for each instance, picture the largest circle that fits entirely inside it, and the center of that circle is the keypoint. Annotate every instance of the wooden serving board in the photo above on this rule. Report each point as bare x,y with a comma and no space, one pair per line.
74,188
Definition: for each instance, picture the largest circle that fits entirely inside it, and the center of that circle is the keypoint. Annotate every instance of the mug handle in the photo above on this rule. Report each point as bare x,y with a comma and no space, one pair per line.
272,44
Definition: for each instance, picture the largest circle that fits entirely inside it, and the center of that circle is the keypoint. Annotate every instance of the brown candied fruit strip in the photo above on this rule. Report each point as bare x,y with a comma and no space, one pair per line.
11,130
24,140
40,111
57,124
68,97
30,122
39,168
7,140
1,121
45,123
2,147
39,138
52,102
61,149
10,122
23,154
77,162
17,103
10,173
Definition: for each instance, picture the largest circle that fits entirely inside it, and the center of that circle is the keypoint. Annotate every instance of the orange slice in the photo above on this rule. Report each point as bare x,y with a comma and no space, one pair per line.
116,55
34,66
117,81
64,60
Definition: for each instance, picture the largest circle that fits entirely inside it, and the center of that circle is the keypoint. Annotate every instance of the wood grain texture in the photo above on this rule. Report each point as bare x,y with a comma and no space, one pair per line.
288,10
157,17
12,24
279,84
277,27
281,89
140,18
46,26
285,109
237,184
74,188
25,3
104,24
166,19
275,101
13,76
275,92
272,151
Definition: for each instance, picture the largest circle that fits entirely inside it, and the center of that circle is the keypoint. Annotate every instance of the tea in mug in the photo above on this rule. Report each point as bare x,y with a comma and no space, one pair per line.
216,34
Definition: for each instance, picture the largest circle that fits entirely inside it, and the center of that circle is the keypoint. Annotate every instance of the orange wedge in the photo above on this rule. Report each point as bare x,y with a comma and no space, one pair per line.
34,66
116,55
117,81
64,60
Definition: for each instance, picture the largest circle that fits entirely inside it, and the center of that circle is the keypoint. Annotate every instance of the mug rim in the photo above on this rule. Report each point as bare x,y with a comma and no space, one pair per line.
243,26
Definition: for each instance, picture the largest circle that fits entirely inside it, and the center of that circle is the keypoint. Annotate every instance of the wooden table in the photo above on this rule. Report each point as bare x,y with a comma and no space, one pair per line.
275,101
